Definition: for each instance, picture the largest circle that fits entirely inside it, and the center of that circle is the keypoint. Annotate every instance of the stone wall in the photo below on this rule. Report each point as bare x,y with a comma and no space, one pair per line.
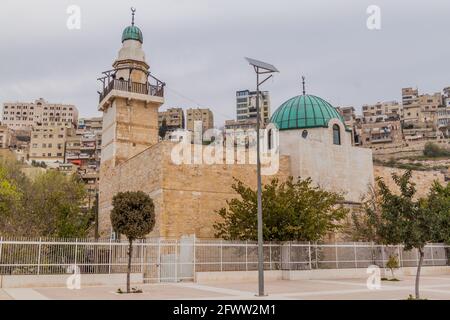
186,196
423,179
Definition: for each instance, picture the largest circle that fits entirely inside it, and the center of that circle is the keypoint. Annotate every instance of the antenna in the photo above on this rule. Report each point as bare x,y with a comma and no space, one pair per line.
133,12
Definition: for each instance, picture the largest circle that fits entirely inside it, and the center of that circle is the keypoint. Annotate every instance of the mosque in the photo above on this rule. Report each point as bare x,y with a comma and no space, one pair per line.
313,142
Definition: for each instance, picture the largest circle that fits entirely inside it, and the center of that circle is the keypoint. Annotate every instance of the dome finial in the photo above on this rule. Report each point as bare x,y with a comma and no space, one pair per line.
304,85
133,12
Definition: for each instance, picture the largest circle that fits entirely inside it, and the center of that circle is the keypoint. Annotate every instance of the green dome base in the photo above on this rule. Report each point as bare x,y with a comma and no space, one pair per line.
302,112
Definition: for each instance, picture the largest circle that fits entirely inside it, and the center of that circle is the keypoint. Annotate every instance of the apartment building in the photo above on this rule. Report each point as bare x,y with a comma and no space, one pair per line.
240,125
174,118
48,143
382,111
5,137
23,115
246,105
83,145
376,133
204,115
429,105
91,124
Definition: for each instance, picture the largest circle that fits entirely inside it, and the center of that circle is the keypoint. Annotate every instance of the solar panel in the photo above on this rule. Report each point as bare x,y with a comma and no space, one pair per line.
262,65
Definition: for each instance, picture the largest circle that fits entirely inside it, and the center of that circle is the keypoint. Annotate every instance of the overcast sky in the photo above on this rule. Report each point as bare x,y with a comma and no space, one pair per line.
197,48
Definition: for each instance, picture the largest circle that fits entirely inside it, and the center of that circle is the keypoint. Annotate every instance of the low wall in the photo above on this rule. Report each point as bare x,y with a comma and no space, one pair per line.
322,274
56,281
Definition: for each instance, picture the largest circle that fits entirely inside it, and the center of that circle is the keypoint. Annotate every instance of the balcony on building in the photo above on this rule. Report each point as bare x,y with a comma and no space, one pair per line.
152,91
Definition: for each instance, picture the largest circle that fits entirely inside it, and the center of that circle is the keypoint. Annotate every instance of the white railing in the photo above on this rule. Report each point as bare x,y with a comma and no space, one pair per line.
177,260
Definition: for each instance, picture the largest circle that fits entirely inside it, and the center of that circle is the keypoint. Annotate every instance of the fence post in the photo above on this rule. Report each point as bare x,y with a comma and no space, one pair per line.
309,255
400,258
195,258
76,251
337,258
142,255
356,257
158,259
110,255
317,256
1,248
432,255
176,261
221,255
289,256
39,256
246,255
270,255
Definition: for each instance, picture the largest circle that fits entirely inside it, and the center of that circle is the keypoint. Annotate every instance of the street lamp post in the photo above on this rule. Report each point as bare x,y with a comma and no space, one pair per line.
261,68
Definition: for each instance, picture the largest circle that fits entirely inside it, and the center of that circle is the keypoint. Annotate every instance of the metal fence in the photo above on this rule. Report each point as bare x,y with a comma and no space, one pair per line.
164,260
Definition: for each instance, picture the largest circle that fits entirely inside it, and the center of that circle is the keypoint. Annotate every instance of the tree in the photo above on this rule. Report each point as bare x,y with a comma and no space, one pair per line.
163,129
293,211
401,219
133,215
48,205
438,201
392,264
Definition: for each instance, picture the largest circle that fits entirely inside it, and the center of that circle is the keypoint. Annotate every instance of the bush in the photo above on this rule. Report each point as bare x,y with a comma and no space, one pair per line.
434,151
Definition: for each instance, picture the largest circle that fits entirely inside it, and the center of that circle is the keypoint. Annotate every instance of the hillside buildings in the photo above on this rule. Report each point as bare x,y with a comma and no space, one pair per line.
23,116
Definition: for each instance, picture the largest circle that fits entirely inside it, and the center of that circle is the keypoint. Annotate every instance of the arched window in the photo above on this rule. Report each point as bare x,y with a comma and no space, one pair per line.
336,135
269,139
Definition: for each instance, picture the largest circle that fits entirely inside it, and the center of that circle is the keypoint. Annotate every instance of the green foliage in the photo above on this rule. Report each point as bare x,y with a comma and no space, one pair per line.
47,206
438,205
402,219
392,264
292,211
432,150
133,214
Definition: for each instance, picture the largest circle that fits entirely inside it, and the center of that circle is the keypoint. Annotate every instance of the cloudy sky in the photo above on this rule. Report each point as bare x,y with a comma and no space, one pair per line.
197,48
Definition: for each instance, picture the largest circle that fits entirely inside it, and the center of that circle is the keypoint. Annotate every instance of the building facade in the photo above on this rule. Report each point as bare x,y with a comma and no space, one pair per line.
173,117
48,143
23,116
246,105
205,116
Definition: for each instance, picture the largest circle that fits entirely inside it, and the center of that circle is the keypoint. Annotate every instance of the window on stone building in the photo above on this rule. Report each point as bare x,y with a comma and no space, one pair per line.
336,135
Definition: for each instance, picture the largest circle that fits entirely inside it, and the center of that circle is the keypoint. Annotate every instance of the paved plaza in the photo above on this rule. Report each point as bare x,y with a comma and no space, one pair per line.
432,287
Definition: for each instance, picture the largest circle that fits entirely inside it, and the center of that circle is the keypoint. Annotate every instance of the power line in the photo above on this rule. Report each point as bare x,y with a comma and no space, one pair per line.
196,102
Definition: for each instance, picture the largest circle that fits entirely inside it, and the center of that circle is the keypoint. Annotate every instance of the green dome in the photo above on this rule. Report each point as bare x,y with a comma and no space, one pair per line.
304,112
132,33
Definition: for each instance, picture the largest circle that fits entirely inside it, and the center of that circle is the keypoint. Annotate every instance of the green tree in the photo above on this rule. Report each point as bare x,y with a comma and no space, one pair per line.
10,197
392,264
438,202
133,215
399,218
48,206
292,211
54,202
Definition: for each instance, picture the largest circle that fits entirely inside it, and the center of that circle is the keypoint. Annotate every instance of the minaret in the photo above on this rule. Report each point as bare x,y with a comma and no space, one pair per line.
129,103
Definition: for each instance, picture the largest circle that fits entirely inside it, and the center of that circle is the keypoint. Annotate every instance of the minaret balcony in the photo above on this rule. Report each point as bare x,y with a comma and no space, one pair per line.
133,87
